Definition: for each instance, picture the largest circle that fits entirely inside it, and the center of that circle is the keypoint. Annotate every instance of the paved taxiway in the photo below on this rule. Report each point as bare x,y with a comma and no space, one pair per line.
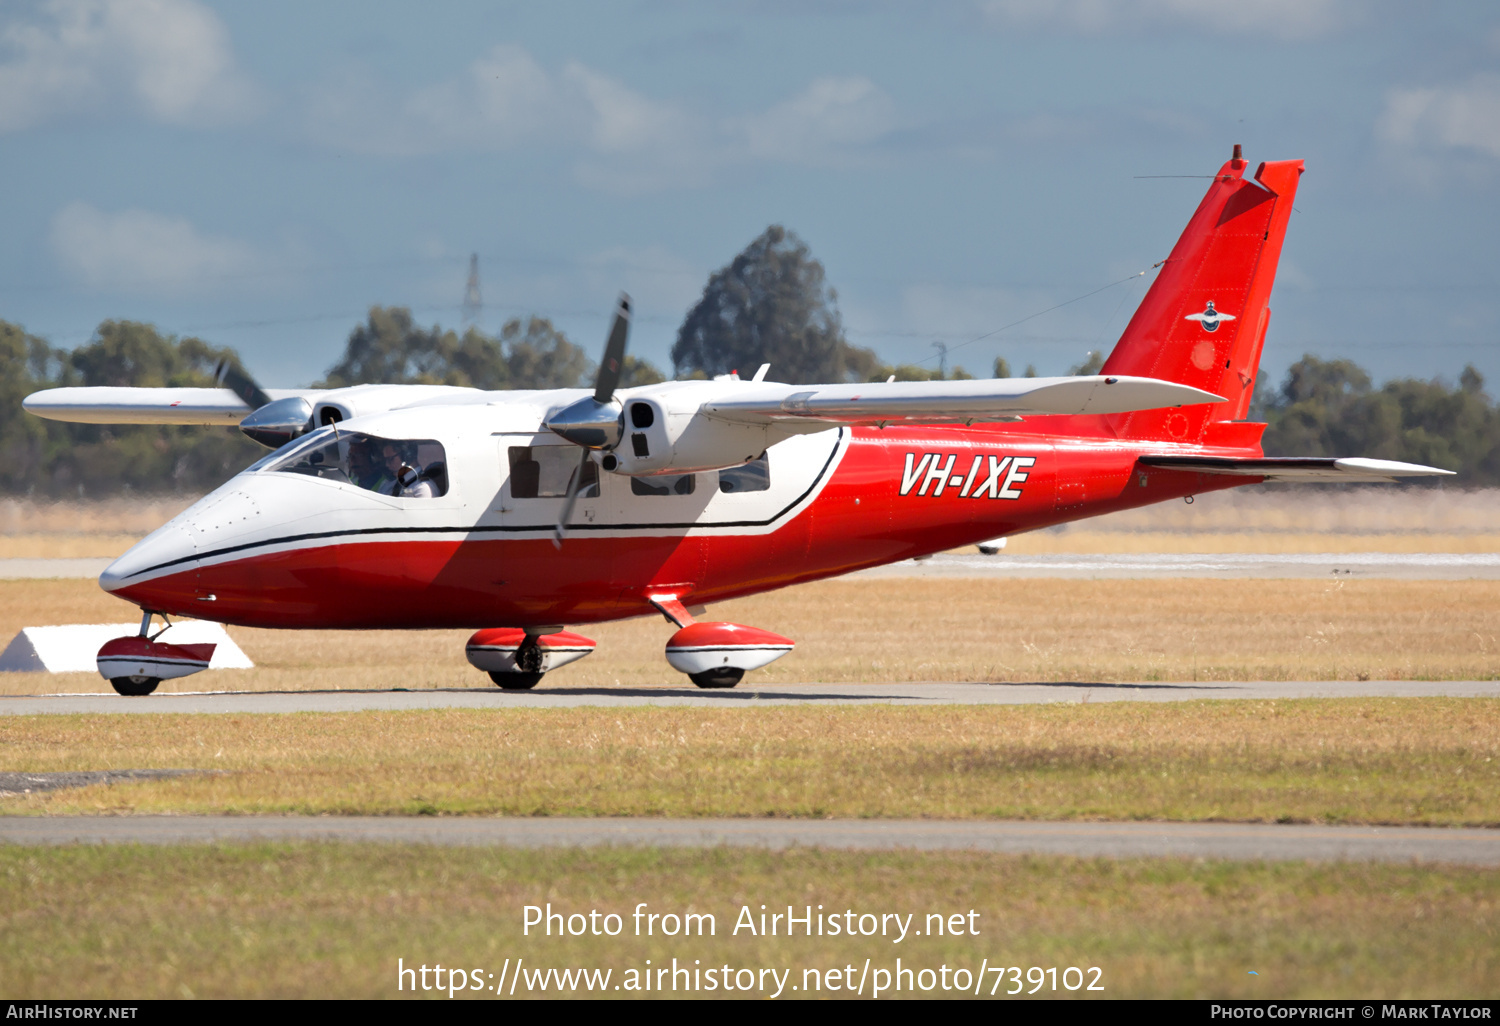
1409,566
1090,840
1404,566
765,694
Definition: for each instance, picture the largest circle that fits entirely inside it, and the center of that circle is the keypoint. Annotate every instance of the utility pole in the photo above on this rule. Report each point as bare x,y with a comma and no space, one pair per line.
473,302
942,348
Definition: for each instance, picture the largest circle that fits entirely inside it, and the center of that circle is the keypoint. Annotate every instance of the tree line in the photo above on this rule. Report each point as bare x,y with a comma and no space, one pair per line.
771,304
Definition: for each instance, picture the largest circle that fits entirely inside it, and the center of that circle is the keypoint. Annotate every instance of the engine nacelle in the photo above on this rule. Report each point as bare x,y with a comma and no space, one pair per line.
664,433
358,400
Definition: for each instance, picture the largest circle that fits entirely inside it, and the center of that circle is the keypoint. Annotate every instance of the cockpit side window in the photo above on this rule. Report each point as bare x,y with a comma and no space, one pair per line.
408,468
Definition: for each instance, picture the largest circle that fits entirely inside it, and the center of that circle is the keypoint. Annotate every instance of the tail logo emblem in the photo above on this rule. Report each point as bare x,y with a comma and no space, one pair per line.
1210,317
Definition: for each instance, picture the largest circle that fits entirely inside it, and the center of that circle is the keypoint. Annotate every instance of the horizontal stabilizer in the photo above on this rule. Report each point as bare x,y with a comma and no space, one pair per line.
1296,468
939,402
124,405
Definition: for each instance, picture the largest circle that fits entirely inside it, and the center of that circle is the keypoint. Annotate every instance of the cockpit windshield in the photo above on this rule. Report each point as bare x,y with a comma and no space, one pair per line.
410,468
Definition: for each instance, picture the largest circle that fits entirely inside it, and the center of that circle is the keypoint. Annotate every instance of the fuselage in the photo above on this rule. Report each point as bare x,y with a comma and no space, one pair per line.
290,543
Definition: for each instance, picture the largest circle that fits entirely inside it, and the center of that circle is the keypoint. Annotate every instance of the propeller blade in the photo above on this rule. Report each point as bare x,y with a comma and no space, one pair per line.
241,384
614,353
574,486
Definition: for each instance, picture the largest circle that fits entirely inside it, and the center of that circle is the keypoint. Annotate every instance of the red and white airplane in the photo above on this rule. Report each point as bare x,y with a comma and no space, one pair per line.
522,512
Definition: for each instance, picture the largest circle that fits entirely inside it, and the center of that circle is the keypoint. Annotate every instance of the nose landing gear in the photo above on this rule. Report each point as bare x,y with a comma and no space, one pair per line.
135,666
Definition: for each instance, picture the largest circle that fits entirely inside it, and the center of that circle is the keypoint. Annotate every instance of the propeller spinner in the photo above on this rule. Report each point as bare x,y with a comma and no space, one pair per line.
272,423
596,421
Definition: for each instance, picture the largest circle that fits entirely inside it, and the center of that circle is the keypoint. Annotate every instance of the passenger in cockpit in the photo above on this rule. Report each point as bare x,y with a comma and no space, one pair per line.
391,467
415,486
402,479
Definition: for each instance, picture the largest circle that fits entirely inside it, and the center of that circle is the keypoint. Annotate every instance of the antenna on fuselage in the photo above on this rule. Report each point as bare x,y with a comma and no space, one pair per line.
473,301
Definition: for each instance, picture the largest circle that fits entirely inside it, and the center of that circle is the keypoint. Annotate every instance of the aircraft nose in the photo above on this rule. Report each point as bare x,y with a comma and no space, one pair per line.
167,550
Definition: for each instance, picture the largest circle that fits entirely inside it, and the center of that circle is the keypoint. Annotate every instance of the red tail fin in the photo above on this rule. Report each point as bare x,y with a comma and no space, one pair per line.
1204,320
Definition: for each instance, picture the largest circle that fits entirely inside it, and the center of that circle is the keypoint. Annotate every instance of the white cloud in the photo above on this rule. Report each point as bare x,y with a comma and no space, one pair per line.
169,59
1465,117
620,140
831,117
503,100
138,251
1282,19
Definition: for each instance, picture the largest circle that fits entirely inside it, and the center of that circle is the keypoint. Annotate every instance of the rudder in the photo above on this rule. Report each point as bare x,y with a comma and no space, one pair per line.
1203,321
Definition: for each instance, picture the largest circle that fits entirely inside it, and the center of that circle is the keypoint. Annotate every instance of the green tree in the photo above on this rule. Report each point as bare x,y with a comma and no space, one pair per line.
28,445
48,457
1091,364
1002,367
111,458
1330,408
771,304
540,356
391,349
639,372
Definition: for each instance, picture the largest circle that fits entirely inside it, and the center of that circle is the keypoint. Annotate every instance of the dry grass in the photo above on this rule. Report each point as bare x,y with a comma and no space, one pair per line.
65,530
330,921
1429,761
1288,520
1255,519
1084,539
1018,630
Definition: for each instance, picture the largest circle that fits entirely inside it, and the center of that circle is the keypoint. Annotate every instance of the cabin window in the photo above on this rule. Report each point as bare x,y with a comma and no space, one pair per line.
413,468
543,472
664,484
754,476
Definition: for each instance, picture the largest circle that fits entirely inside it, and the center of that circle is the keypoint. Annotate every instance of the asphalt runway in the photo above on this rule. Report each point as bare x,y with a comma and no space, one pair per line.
746,695
1401,566
1408,566
1276,842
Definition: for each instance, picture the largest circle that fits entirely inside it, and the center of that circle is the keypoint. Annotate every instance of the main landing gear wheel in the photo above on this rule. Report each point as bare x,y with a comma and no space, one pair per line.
513,681
720,677
135,686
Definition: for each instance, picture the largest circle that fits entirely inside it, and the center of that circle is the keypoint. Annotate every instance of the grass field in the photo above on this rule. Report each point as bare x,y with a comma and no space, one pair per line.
1255,519
1433,761
1019,630
330,921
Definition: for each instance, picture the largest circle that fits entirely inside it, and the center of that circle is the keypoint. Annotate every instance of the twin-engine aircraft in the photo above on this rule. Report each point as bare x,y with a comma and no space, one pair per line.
521,513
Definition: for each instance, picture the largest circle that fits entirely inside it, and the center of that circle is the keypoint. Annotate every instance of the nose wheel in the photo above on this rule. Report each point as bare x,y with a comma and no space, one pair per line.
724,677
135,686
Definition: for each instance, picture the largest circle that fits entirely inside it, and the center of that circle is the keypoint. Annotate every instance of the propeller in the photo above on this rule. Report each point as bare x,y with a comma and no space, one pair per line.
230,376
272,423
594,422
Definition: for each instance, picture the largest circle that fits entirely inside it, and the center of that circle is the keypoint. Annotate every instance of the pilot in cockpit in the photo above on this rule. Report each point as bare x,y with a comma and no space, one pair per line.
363,469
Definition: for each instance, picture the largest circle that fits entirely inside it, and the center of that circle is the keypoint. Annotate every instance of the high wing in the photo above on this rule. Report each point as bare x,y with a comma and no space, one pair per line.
939,402
106,405
1307,469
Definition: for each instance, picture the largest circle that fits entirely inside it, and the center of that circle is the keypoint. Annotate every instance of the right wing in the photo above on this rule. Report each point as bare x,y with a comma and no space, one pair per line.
947,402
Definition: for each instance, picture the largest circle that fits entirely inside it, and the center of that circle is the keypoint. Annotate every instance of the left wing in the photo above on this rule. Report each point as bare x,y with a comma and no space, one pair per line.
97,404
940,402
1297,468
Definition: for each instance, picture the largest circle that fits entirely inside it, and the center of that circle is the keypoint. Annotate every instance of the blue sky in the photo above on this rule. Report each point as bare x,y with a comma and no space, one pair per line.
259,174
